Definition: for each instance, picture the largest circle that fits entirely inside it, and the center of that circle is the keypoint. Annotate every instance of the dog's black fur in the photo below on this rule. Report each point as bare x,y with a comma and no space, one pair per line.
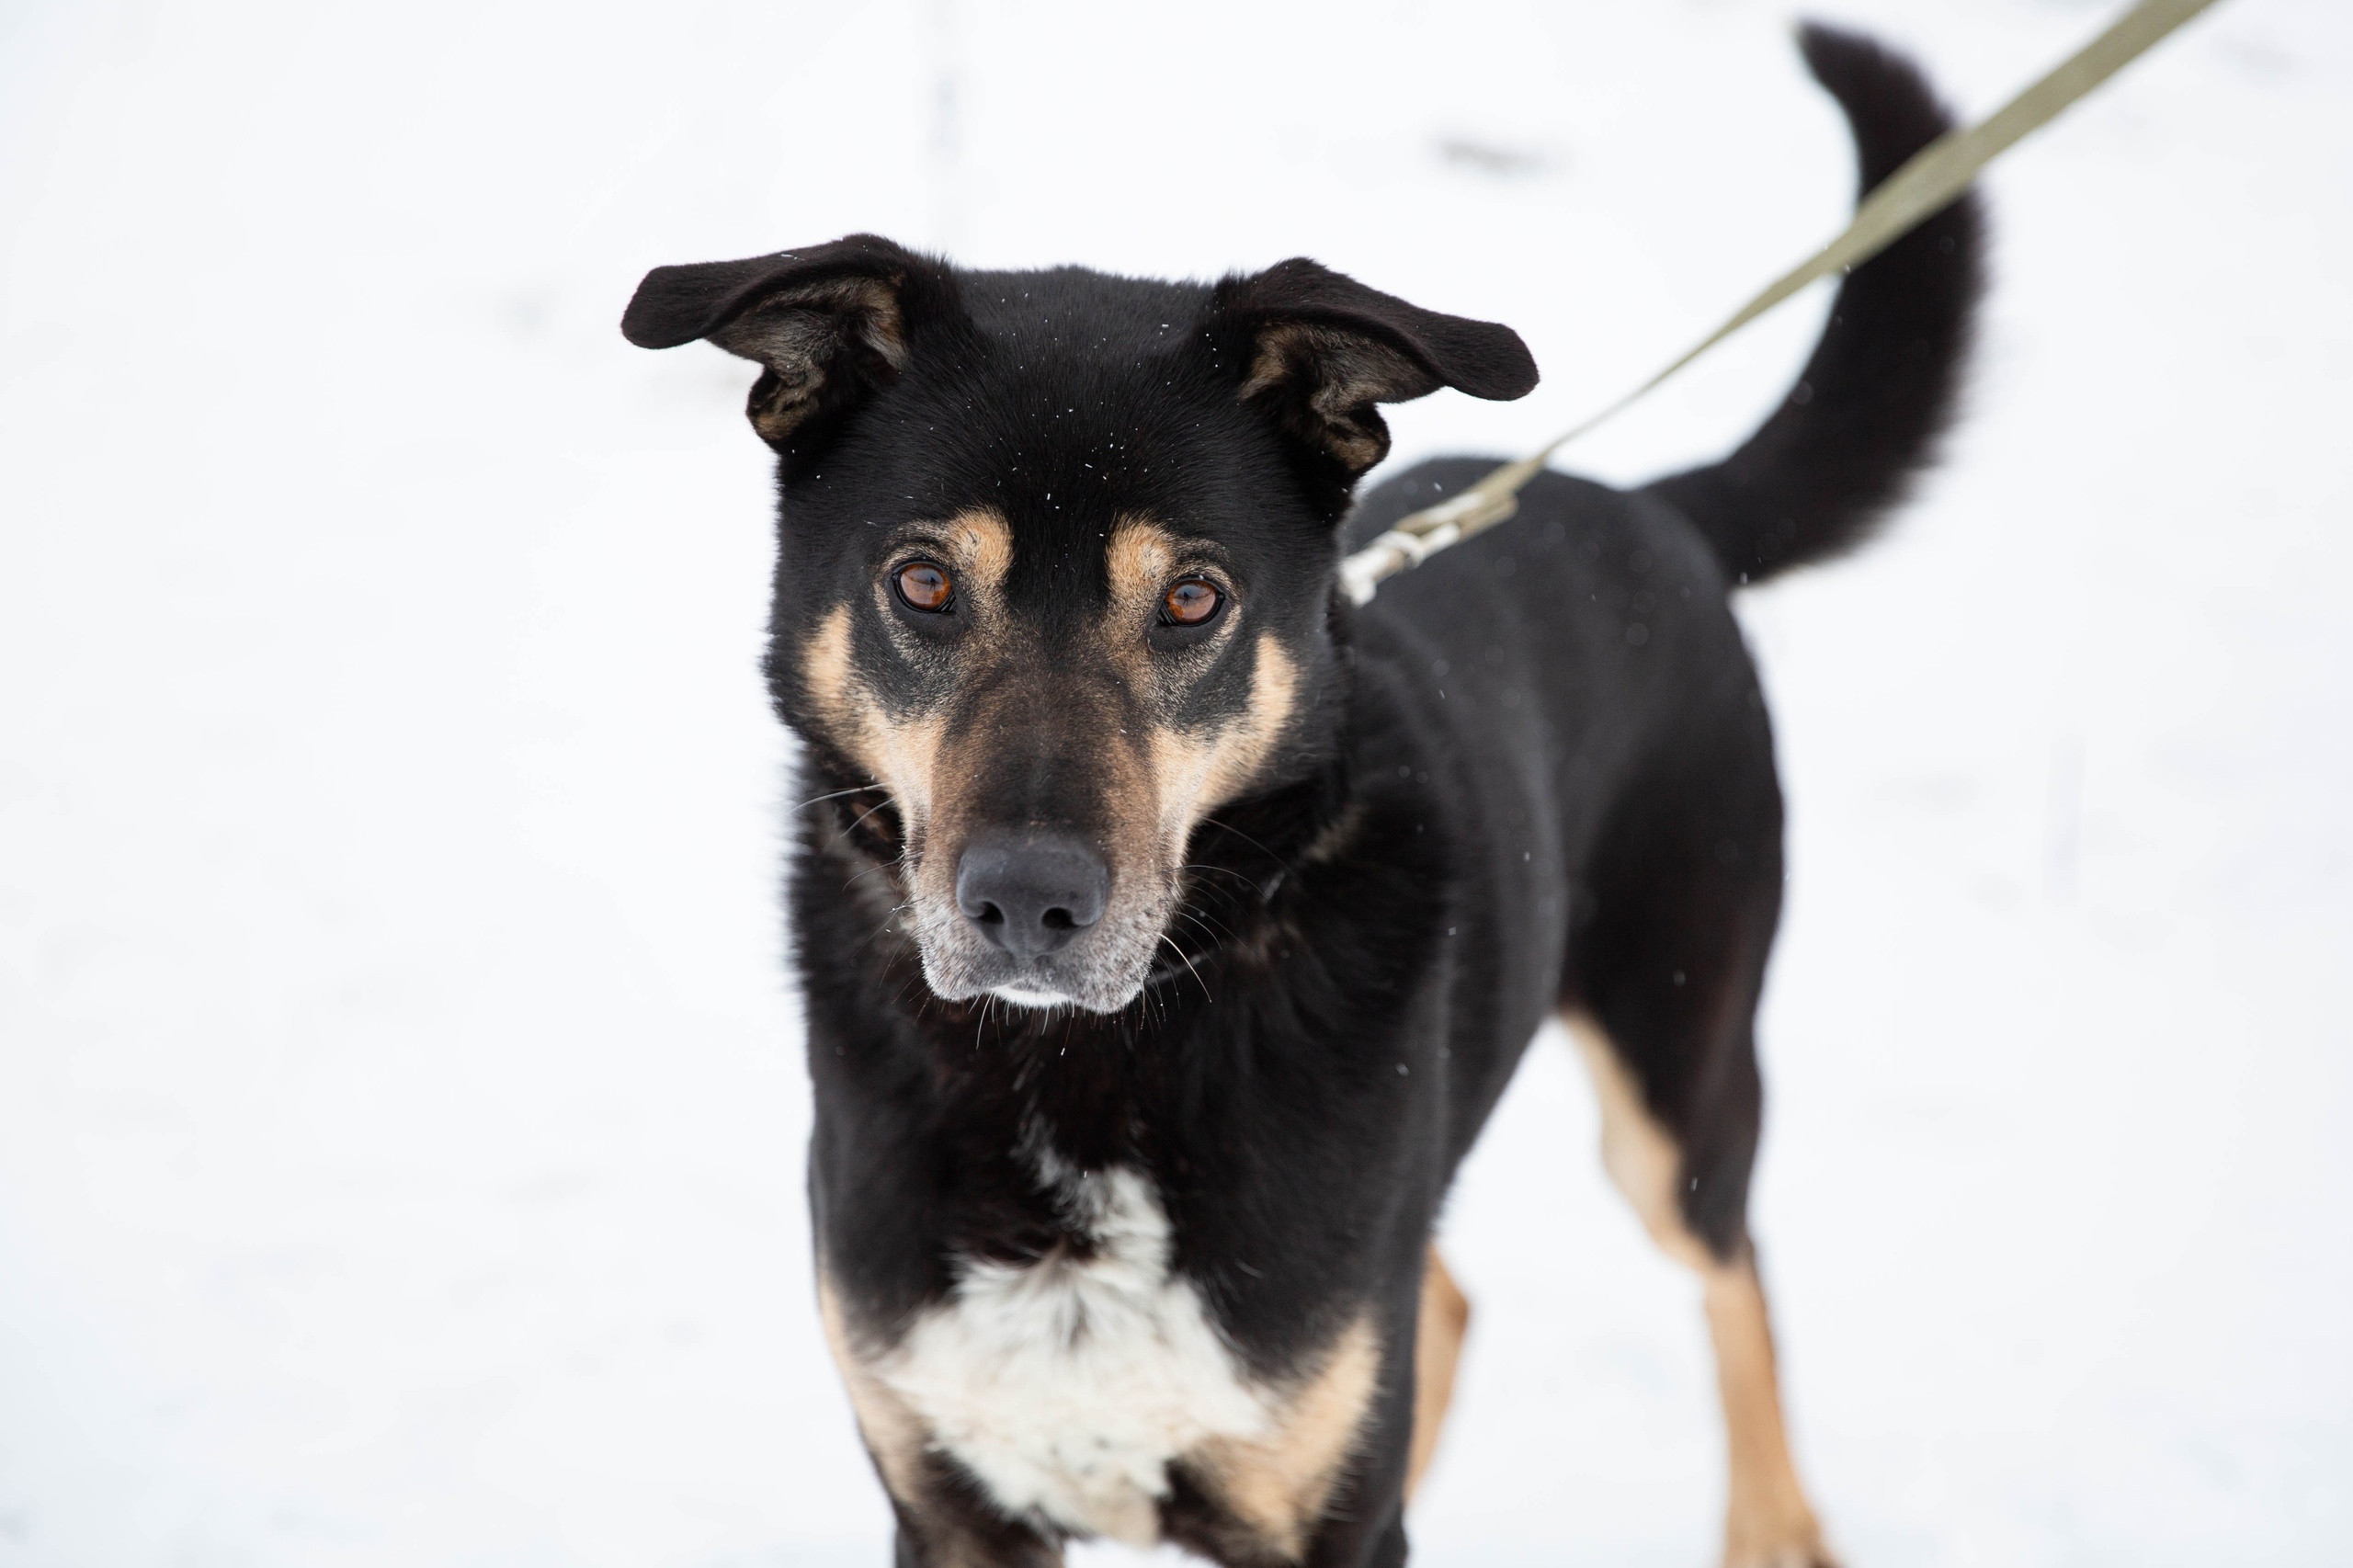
1534,775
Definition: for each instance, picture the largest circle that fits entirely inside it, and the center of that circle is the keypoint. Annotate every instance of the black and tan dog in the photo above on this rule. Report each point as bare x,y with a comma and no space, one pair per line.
1169,927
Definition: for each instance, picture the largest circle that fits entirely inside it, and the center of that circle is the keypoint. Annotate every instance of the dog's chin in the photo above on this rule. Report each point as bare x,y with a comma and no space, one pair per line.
1036,1001
960,969
1035,993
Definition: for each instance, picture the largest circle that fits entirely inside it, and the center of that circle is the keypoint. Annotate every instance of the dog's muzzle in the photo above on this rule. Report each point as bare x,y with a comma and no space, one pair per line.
1036,917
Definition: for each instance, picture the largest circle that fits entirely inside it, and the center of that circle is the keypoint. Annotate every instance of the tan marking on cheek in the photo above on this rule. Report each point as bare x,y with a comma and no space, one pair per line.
1196,772
1243,749
900,752
1179,770
1438,1347
893,1432
1280,1484
908,753
824,664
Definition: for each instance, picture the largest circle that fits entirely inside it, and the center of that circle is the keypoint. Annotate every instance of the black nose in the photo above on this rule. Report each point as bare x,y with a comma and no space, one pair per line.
1030,892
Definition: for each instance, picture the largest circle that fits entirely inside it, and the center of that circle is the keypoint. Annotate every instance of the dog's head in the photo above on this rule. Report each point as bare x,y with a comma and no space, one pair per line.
1056,564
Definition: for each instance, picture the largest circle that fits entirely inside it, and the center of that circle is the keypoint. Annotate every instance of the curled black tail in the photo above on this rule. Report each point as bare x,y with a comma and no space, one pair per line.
1816,479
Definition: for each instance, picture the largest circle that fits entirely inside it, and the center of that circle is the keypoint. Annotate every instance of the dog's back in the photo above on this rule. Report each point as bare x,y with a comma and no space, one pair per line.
1582,663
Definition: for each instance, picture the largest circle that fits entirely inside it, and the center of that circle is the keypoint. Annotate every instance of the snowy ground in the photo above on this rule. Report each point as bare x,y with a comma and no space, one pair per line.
400,1106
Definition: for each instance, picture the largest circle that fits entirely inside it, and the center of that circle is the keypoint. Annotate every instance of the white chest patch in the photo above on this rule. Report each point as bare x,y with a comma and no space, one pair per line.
1067,1386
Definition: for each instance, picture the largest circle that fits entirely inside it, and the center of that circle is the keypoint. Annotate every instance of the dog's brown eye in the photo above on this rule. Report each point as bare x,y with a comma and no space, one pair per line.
1190,602
925,586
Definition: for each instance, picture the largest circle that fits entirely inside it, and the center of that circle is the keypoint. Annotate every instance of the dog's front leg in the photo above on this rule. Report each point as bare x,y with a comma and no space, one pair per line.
1245,1522
948,1527
1364,1527
1322,1484
1375,1542
944,1520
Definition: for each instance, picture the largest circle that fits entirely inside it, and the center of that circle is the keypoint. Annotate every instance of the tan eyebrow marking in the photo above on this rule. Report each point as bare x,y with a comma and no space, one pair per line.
1139,561
981,542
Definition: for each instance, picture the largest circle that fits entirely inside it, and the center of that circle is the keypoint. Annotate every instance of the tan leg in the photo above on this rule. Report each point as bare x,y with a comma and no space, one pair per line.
1445,1313
1768,1521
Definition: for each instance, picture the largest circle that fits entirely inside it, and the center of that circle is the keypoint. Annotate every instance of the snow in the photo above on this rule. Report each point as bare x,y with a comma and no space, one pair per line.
400,1108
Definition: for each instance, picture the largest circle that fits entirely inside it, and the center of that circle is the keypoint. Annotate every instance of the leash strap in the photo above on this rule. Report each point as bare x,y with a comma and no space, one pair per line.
1934,176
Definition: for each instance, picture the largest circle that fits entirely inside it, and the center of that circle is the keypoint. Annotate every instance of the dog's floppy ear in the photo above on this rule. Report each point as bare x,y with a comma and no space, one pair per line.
828,325
1319,350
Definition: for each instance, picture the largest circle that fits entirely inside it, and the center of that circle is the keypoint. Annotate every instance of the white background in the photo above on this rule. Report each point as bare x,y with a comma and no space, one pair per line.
400,1112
